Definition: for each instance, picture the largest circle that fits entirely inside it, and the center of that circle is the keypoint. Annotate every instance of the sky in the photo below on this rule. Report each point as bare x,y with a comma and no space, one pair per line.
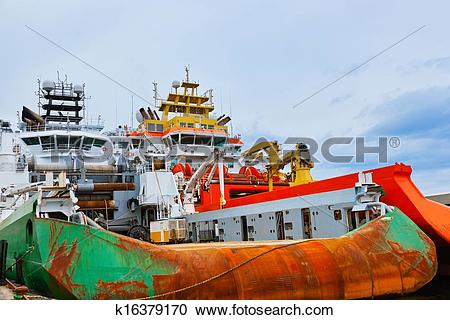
261,58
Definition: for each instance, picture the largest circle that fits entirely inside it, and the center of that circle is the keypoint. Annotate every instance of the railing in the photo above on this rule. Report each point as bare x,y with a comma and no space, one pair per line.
145,168
65,127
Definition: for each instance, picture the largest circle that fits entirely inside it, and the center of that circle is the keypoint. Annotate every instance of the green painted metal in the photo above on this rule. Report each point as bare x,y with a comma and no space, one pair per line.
67,260
404,231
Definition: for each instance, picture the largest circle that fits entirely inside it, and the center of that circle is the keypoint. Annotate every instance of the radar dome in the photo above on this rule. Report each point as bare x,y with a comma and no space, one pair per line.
78,88
48,85
175,84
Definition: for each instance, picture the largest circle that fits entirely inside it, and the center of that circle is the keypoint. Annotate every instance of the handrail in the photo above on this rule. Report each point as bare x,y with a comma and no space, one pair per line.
49,127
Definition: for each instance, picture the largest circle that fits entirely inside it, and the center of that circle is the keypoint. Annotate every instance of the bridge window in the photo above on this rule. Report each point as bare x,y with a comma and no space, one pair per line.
75,142
187,139
203,140
135,143
62,142
219,141
48,142
123,144
99,143
87,143
174,138
31,141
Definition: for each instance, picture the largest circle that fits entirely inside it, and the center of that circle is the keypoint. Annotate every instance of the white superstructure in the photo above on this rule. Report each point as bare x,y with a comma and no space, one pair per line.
13,168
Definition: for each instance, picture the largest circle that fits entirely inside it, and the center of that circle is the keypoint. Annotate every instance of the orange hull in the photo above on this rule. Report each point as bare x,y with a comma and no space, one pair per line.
389,255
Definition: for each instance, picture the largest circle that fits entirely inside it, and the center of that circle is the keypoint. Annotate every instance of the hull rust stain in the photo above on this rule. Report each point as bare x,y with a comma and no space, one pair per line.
369,262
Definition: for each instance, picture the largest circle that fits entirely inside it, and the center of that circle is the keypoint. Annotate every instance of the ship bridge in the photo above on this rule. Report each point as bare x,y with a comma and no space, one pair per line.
185,111
184,122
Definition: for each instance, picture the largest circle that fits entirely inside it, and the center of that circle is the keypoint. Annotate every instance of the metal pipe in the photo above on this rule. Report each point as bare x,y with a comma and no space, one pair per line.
34,165
96,204
31,115
144,113
17,289
221,183
255,183
219,118
156,115
96,187
92,223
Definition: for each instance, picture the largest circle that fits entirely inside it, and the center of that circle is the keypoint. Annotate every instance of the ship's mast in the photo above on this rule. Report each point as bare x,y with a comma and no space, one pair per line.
155,92
63,101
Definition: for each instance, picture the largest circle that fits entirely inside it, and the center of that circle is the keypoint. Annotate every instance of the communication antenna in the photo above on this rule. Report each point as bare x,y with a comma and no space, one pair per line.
39,95
221,101
231,122
87,113
132,112
116,111
155,92
186,68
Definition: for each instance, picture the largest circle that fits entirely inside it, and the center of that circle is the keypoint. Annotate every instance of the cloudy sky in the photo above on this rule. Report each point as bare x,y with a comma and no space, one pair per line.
261,57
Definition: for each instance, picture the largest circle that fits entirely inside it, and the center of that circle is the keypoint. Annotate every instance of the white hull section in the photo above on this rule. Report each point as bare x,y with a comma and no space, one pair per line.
321,215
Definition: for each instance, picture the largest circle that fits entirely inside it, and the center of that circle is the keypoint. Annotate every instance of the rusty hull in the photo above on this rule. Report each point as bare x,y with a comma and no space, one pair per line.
389,255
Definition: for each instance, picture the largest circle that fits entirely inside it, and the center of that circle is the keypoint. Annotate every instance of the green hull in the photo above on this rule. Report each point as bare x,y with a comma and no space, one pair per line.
71,261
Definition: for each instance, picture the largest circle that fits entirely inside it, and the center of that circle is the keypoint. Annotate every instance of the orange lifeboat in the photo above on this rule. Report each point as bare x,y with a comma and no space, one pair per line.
178,168
250,171
188,170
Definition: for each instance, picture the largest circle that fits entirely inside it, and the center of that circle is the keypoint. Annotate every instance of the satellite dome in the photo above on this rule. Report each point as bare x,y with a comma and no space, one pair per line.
48,85
78,88
175,84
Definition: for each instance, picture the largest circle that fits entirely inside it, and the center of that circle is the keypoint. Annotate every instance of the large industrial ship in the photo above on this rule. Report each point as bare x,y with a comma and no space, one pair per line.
182,177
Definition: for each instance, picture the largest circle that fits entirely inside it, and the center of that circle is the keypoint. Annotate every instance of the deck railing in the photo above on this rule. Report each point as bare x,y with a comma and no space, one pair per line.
65,127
